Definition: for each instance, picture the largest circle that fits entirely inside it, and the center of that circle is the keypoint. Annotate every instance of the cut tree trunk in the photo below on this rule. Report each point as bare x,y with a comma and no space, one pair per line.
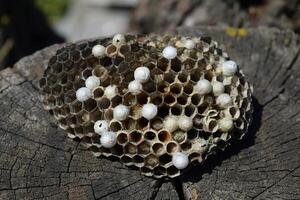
38,161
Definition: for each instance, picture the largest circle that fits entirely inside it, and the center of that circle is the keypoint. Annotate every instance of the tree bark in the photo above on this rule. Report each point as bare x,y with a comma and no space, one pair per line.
38,161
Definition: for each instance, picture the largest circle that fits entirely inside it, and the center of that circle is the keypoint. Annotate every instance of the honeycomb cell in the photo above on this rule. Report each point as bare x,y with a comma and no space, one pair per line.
158,148
130,148
135,137
150,135
143,148
151,161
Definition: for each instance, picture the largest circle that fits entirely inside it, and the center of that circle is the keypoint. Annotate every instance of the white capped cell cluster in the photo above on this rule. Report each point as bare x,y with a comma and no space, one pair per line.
160,103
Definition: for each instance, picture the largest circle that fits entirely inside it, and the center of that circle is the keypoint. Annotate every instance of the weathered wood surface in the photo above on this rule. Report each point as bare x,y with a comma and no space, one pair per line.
38,161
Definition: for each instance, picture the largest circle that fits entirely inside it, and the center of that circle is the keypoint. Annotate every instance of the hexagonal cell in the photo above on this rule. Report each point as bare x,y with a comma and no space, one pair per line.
129,123
156,123
142,98
103,103
156,99
117,60
96,115
115,126
172,147
172,171
135,137
189,64
151,161
169,99
162,87
192,134
165,159
182,99
149,87
176,65
196,99
89,105
108,114
190,110
124,49
188,88
98,92
75,107
179,136
150,135
130,148
194,156
186,146
117,100
146,171
163,111
163,64
138,160
143,148
122,138
126,160
86,73
56,89
164,136
105,61
183,77
176,110
197,121
169,77
135,112
158,148
129,99
57,68
176,89
159,171
117,150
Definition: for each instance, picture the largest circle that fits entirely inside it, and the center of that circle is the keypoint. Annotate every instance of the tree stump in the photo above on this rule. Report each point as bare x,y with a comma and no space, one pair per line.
38,161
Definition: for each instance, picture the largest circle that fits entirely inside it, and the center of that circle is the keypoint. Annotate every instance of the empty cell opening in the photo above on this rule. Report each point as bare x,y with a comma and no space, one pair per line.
142,98
104,103
157,123
142,123
213,125
165,159
151,160
96,115
129,123
172,147
130,148
117,60
124,49
163,64
186,146
116,101
117,150
179,136
129,99
182,99
195,76
176,65
189,64
149,87
116,79
227,89
56,90
138,159
156,99
70,97
158,148
192,134
176,88
164,136
172,171
76,107
111,50
188,89
122,138
106,61
163,111
99,71
234,112
183,77
105,150
202,108
161,87
189,110
169,77
204,135
144,148
60,100
115,126
146,170
135,136
98,92
89,105
169,99
196,98
108,114
126,159
194,156
149,135
71,121
57,68
86,73
78,84
64,79
159,171
176,110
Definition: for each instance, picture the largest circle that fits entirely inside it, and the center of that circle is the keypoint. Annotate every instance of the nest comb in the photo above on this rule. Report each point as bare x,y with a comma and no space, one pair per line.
188,86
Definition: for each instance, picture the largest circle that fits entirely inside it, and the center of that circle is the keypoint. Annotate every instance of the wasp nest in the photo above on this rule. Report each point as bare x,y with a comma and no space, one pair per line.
157,103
